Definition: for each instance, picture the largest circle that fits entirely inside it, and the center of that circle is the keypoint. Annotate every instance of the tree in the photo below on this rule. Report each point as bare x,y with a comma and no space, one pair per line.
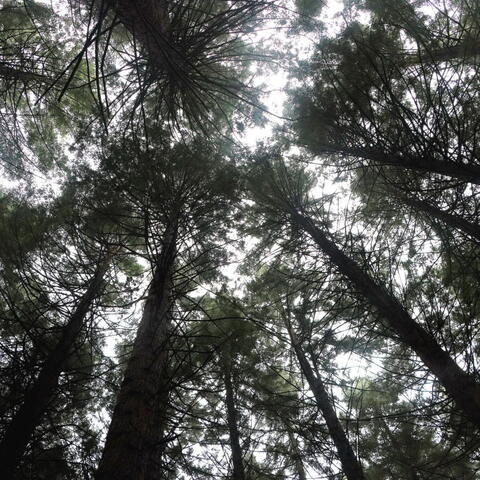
21,428
40,276
345,344
294,312
184,61
288,194
178,212
365,101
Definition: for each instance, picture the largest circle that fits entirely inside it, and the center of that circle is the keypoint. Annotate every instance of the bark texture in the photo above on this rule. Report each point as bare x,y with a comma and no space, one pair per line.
28,417
136,437
232,420
463,388
350,463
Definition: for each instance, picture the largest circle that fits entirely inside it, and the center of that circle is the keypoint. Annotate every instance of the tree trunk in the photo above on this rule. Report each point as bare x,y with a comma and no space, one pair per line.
461,171
453,221
350,464
462,387
466,51
12,73
232,420
135,439
143,18
148,22
296,456
24,422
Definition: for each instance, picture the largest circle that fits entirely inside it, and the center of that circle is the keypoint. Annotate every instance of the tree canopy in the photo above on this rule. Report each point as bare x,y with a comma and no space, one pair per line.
240,240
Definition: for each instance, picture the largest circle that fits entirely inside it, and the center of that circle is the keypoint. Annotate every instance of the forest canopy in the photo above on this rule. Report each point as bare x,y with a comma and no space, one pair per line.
240,239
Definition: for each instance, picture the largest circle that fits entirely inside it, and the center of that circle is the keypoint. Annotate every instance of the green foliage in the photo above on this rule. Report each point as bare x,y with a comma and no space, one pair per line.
135,112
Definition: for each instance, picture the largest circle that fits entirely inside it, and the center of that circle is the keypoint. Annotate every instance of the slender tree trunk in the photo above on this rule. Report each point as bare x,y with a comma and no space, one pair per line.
465,51
28,417
412,468
232,420
462,387
350,463
453,221
135,439
148,21
462,171
12,73
296,455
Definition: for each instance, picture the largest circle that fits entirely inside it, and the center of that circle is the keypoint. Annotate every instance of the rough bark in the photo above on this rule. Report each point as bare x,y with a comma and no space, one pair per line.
460,386
350,463
136,436
28,417
232,421
461,171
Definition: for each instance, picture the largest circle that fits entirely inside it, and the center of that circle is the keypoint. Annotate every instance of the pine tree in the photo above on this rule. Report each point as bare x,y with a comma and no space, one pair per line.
179,197
53,323
288,194
344,345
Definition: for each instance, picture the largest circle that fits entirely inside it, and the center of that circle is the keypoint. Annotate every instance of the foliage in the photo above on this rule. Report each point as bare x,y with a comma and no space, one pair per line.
124,140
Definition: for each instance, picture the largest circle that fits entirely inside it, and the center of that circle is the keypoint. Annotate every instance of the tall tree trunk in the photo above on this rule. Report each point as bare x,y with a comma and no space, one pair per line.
406,462
135,439
296,456
148,21
462,387
143,18
465,51
28,417
462,171
449,219
350,463
232,420
10,73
